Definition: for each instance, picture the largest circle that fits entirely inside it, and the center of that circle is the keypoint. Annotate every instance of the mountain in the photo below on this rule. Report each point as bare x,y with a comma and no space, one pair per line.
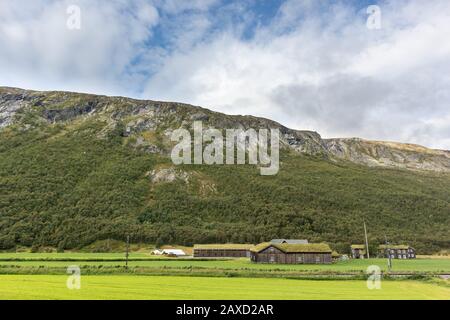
76,168
389,154
151,116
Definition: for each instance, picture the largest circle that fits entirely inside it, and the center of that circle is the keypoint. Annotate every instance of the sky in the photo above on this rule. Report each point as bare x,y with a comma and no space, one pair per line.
308,64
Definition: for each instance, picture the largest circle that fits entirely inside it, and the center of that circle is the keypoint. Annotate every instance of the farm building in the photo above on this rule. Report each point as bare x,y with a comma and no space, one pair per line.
397,251
169,252
157,252
229,250
358,251
289,241
311,253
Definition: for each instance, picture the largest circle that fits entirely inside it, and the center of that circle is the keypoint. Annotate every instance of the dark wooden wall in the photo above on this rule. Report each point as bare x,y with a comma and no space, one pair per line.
274,255
356,254
398,253
221,253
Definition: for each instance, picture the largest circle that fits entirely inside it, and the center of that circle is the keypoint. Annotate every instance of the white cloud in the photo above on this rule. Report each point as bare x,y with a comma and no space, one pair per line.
312,66
40,52
328,72
179,6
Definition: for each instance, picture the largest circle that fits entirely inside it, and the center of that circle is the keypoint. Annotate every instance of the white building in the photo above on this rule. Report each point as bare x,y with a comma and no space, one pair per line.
174,252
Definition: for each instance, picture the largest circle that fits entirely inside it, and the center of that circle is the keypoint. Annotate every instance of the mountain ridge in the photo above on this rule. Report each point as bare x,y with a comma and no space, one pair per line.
78,168
356,150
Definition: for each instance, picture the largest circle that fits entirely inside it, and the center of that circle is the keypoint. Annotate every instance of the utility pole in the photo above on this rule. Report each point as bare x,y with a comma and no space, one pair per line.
388,254
127,251
367,241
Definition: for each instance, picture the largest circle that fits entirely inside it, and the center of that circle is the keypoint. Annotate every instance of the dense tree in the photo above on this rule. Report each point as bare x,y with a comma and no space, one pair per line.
67,189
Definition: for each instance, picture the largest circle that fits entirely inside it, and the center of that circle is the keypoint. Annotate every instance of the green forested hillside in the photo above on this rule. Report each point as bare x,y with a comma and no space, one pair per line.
67,184
68,188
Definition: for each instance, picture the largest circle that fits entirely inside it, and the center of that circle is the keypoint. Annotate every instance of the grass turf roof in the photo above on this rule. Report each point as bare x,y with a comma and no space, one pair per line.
358,246
401,246
295,248
226,246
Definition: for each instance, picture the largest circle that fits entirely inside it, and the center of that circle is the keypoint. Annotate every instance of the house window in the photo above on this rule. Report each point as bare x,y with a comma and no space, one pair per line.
272,259
317,259
300,259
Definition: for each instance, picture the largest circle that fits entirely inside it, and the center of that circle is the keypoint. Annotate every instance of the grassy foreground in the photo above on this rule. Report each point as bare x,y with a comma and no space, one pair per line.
153,287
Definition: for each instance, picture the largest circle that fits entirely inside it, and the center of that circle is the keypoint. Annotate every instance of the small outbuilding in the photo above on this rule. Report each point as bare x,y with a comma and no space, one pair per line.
309,253
228,250
358,251
397,251
173,252
157,252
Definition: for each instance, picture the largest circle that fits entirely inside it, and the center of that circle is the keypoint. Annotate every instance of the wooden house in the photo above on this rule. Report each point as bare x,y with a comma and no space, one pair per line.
229,250
397,251
311,253
358,251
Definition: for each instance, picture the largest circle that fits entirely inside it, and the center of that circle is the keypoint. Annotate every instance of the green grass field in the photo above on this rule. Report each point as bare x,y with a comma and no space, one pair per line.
85,259
72,255
167,287
105,279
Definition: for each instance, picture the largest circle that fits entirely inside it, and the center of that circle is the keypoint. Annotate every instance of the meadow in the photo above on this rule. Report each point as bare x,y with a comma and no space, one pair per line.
191,288
72,256
142,260
104,276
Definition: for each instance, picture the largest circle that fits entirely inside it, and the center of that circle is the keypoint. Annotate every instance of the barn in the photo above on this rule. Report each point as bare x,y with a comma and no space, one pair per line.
397,251
229,250
358,251
311,253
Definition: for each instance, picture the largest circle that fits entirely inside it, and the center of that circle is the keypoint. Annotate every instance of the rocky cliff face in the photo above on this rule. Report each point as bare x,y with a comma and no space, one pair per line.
389,154
149,123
